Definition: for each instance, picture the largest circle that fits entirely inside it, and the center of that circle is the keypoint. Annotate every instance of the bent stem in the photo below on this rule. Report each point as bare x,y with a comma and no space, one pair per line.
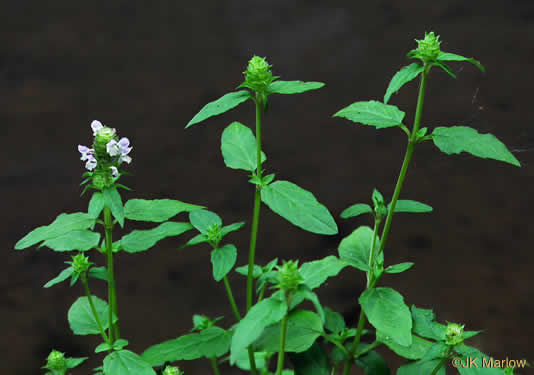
112,298
231,298
371,280
255,223
93,310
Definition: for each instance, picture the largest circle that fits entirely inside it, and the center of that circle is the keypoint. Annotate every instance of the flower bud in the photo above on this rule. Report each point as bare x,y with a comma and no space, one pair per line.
103,136
289,276
428,48
172,370
454,334
103,178
214,234
258,75
56,362
80,263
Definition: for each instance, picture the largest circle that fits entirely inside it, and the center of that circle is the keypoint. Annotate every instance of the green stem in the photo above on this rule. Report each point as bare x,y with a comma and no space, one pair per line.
231,298
368,348
371,281
442,362
281,352
372,254
215,366
255,223
112,299
93,310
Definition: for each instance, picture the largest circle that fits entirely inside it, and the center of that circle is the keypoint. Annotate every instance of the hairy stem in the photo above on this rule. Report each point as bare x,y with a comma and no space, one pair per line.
112,299
371,281
85,283
281,351
231,298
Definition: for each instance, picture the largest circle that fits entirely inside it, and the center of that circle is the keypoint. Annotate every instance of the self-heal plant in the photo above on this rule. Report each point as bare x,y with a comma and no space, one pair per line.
274,320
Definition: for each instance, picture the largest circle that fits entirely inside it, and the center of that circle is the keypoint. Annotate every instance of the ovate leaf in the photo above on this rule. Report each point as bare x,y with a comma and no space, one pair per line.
387,312
81,240
238,147
292,87
416,350
184,347
82,320
202,219
372,113
355,248
403,76
313,361
317,272
112,200
125,362
141,240
157,210
299,207
421,367
64,223
457,139
223,260
64,275
96,204
219,106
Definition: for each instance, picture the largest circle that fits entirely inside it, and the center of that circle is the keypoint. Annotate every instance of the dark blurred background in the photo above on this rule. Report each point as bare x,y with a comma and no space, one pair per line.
146,68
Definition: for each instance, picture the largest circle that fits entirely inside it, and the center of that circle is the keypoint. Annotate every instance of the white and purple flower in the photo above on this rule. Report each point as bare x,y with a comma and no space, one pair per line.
121,148
89,155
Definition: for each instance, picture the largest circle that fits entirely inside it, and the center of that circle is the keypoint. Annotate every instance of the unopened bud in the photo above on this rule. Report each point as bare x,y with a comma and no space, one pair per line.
454,334
428,48
258,75
289,276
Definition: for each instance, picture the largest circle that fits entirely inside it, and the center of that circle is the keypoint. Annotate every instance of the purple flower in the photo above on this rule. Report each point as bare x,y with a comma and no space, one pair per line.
89,155
114,171
96,126
121,148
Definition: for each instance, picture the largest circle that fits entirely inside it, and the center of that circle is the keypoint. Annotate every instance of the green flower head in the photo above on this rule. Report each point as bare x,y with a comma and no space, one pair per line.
258,75
289,277
454,335
56,362
428,48
80,263
172,370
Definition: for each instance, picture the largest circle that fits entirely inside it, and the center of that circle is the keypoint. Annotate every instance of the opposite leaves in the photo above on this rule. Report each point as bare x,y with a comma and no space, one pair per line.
373,113
219,106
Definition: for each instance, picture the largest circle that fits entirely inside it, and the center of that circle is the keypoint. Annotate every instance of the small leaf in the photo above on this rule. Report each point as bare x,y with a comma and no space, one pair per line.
100,273
373,113
238,147
299,207
261,315
447,56
103,347
125,362
425,326
373,363
317,272
73,362
355,248
223,260
334,321
403,76
81,240
219,106
141,240
81,319
202,219
64,223
96,205
356,210
243,270
411,206
157,210
112,200
214,342
303,328
292,87
184,347
387,312
417,350
398,268
231,228
455,139
64,275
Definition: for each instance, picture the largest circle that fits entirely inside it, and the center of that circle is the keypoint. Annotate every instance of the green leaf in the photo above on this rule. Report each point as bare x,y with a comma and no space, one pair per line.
261,315
373,113
103,347
81,319
125,362
334,321
316,272
299,207
243,362
73,362
219,106
403,76
157,210
455,139
387,312
231,228
243,270
411,206
292,87
415,351
100,273
355,248
96,205
356,210
182,348
447,56
81,240
373,363
64,223
214,342
398,268
478,363
199,238
202,219
141,240
64,275
425,326
239,149
420,367
112,200
314,361
223,260
303,328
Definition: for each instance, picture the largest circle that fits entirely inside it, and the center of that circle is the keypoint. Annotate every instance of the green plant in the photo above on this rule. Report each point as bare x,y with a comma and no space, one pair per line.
271,323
